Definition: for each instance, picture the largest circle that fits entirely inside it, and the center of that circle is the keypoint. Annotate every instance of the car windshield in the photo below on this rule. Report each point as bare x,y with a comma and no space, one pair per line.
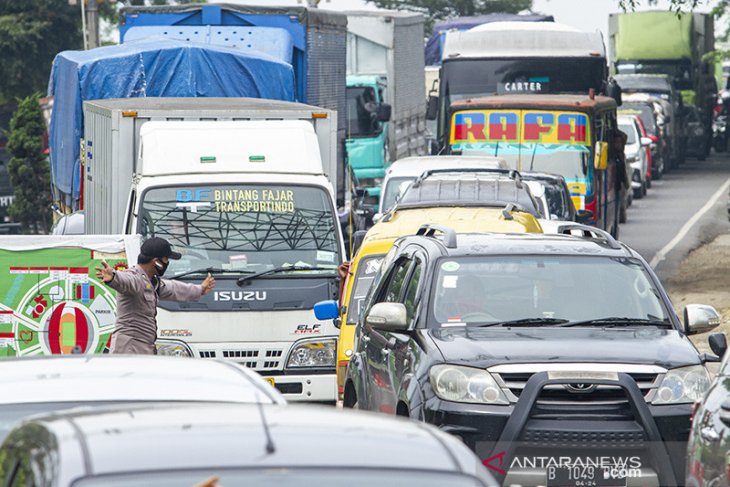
286,477
571,163
645,113
394,187
630,131
246,228
493,289
361,111
11,414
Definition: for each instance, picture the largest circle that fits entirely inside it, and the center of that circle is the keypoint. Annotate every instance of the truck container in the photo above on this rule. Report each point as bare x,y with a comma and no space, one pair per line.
670,43
385,68
112,137
241,188
312,40
148,68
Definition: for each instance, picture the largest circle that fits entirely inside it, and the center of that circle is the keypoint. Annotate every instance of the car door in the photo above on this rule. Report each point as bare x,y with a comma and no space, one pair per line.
400,346
377,351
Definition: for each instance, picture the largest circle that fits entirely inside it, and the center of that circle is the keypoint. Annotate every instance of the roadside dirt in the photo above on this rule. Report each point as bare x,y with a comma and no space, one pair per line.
704,278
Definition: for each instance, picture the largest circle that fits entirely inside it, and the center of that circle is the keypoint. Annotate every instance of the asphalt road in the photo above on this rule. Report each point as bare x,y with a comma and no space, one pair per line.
678,214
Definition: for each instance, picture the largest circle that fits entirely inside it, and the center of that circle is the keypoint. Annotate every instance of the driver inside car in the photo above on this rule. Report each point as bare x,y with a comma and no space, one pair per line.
463,299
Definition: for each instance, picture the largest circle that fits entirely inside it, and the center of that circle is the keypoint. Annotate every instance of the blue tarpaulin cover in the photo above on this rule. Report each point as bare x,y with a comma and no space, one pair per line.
434,44
152,67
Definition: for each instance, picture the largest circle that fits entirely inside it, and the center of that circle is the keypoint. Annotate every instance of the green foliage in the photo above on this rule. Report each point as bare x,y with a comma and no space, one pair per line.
28,167
436,10
31,33
111,11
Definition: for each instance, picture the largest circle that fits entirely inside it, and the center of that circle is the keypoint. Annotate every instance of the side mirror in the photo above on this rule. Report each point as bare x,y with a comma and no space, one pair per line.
600,162
384,112
357,239
613,90
377,217
361,192
718,344
432,107
388,317
327,310
699,318
583,216
645,141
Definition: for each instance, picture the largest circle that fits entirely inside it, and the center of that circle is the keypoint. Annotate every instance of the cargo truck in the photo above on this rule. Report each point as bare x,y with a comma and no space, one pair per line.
312,41
665,42
508,58
243,188
385,92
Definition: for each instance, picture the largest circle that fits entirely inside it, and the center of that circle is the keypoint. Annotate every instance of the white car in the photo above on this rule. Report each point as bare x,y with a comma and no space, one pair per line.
33,385
403,172
636,154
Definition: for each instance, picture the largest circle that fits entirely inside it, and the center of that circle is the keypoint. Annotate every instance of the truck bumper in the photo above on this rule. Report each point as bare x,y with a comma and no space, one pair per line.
305,388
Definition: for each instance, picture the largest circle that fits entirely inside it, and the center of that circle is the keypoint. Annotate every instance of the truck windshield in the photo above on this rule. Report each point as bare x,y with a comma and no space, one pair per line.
247,228
493,289
361,112
469,78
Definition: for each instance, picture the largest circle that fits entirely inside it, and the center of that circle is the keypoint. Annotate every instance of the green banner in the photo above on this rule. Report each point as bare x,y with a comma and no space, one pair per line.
52,303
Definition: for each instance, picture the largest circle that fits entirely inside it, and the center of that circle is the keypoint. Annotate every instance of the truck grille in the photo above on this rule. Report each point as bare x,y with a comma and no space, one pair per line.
513,383
267,357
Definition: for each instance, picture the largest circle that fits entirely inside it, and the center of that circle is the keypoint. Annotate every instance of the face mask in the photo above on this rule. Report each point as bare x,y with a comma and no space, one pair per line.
161,267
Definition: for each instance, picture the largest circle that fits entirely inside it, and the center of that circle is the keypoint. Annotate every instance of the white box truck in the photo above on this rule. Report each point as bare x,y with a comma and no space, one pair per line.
243,189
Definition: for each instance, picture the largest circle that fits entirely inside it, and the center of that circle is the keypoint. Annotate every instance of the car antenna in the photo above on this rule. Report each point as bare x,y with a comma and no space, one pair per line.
532,160
270,448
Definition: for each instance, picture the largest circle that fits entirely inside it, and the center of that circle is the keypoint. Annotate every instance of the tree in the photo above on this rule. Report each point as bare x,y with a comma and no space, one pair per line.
436,10
28,167
32,32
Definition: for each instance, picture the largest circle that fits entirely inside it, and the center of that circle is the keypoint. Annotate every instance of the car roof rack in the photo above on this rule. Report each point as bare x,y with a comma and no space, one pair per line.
589,231
510,173
429,230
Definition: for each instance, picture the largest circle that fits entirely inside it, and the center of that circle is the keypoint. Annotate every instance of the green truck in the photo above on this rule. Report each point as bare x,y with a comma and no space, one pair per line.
386,95
671,43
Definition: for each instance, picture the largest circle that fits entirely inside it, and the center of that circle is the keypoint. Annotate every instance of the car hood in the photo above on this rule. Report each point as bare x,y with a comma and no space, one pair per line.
484,347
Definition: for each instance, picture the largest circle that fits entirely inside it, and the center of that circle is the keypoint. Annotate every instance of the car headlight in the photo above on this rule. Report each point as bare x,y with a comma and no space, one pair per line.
683,385
319,353
172,348
465,384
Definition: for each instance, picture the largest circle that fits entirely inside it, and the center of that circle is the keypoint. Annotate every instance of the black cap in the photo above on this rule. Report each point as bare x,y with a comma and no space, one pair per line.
158,247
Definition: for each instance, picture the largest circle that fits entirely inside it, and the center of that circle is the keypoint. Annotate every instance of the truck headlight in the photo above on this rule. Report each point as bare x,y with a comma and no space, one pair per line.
683,385
173,348
316,353
465,384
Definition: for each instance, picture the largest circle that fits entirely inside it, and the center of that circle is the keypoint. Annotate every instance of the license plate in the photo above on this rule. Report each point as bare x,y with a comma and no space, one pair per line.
270,380
584,477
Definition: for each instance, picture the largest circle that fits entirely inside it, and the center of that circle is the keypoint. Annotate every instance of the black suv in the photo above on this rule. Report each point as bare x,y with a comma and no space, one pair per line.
557,358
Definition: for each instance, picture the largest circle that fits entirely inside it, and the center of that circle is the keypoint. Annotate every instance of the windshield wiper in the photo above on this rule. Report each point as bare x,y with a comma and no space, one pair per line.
277,270
620,321
528,322
212,270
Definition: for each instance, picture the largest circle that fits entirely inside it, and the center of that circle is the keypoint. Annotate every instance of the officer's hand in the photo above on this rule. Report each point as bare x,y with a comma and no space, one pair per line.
105,273
208,284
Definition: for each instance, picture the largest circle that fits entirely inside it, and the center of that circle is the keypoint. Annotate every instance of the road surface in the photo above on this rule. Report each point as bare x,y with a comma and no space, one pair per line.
683,210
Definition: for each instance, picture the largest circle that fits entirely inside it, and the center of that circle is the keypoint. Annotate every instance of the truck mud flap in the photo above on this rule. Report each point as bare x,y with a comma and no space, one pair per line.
518,420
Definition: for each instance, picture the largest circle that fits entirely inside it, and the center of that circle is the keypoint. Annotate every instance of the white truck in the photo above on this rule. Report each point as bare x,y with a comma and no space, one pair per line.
243,188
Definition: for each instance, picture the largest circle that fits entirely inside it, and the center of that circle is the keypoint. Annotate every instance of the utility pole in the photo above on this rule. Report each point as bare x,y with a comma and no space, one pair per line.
92,23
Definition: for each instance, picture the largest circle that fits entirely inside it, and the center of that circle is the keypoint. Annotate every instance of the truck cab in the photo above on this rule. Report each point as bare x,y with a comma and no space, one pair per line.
249,202
367,130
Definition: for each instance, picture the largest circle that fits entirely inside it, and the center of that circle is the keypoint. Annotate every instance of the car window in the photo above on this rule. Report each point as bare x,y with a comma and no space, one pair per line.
630,130
411,296
367,268
396,281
